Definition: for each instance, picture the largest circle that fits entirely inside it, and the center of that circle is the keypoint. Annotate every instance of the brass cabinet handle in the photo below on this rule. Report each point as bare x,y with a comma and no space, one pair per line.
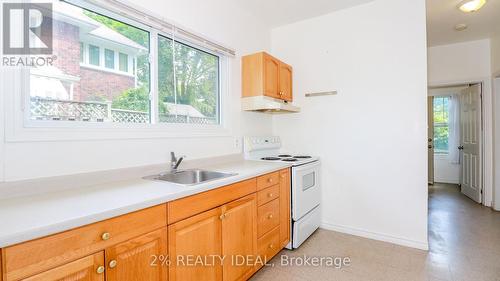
100,270
112,264
270,195
105,236
271,246
222,216
270,179
270,216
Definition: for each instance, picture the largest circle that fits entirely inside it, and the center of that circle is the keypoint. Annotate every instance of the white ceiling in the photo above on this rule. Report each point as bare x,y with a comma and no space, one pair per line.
443,15
281,12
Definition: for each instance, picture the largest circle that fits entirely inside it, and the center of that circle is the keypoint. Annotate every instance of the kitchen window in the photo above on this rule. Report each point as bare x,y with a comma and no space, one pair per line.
441,124
112,79
188,84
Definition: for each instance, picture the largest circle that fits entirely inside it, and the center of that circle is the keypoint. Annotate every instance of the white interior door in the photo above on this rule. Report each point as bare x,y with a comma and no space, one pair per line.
430,139
470,142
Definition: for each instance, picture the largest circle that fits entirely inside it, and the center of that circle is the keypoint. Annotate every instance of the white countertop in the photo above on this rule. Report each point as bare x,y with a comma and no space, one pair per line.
28,217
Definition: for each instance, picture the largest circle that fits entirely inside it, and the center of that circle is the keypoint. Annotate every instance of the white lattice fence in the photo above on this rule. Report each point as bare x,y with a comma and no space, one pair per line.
53,109
129,116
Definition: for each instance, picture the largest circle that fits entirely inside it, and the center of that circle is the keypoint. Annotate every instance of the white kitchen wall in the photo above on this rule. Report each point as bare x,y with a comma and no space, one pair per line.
371,137
462,62
221,20
468,62
2,144
495,53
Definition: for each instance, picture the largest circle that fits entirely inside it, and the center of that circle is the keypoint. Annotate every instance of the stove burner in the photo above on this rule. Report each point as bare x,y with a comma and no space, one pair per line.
289,160
270,158
285,155
302,157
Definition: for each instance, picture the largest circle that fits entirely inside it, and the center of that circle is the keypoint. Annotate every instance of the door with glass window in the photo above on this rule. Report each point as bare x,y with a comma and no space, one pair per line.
430,139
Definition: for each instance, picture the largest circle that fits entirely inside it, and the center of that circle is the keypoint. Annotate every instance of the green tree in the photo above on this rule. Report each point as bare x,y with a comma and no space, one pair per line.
133,99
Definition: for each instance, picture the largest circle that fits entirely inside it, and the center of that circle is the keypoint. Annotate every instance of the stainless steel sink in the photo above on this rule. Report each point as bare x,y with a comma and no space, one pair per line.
189,177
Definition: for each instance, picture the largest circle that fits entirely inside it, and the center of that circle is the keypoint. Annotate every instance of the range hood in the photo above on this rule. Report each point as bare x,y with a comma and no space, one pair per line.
267,104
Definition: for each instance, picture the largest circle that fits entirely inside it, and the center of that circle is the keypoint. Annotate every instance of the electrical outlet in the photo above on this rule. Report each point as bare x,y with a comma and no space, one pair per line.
237,143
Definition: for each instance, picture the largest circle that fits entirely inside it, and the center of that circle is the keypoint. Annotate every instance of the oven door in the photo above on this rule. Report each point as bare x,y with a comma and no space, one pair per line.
306,192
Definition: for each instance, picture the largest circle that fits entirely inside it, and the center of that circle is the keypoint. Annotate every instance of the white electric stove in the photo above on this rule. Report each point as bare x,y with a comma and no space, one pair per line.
305,179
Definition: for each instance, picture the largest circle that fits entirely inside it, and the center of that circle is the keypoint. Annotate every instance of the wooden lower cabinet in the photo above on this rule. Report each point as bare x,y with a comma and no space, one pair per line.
239,238
220,244
194,245
90,268
219,235
139,259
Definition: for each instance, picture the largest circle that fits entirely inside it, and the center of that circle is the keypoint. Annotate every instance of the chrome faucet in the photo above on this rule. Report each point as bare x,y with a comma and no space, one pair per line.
174,162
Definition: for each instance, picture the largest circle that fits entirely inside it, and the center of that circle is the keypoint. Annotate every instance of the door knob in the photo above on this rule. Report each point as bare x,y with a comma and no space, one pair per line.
429,146
461,147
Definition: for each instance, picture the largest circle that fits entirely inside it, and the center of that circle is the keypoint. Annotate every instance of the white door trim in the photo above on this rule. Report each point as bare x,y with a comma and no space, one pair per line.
486,133
496,104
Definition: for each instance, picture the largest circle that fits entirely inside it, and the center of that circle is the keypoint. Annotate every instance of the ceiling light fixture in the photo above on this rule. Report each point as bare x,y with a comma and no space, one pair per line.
461,27
468,6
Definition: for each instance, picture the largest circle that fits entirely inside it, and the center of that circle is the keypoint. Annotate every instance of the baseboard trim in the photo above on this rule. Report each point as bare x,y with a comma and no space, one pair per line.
376,236
450,181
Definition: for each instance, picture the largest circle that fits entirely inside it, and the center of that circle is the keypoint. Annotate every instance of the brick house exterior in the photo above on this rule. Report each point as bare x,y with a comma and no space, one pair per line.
91,83
97,84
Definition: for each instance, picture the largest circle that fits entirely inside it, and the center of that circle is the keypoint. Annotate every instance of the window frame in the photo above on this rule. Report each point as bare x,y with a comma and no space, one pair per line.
120,61
113,53
98,55
22,128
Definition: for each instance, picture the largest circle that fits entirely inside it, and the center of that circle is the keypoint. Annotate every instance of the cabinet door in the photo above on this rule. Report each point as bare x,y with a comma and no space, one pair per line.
90,268
285,189
195,248
141,258
239,238
271,76
285,91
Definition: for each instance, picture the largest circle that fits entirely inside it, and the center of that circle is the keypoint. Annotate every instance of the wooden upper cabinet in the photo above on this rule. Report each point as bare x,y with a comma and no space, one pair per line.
139,259
263,74
90,268
239,238
271,76
197,236
285,91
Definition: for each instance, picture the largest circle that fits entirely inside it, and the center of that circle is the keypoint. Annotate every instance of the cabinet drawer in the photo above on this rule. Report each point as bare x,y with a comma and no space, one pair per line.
269,244
268,194
268,217
268,180
38,255
90,268
187,207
